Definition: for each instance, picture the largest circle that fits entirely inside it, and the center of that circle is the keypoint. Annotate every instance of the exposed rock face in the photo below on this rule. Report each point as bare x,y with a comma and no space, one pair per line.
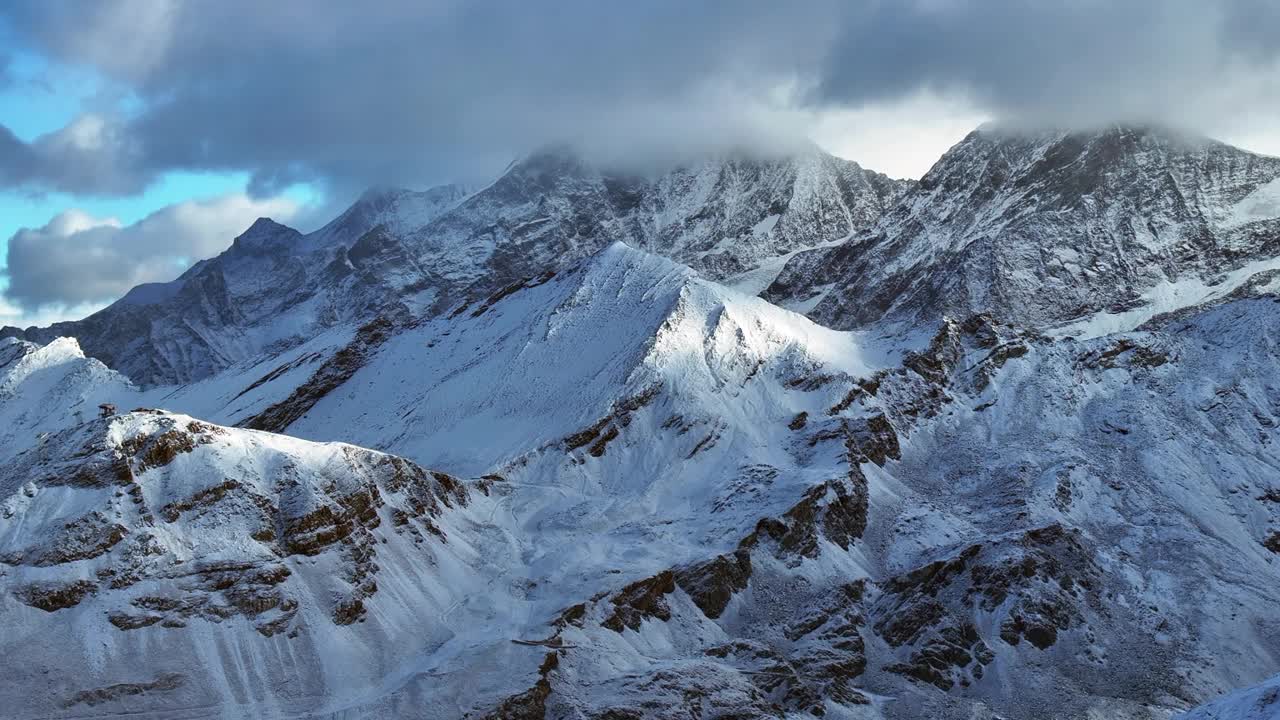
1038,584
532,703
596,437
713,583
834,511
1040,229
97,696
55,596
640,600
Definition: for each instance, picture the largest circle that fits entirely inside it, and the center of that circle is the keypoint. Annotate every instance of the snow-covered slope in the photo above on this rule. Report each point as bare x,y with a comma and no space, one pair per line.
44,389
629,357
1052,529
1044,228
1261,702
1158,449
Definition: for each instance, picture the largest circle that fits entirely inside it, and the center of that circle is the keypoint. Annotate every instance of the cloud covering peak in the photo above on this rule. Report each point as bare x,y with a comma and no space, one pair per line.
412,92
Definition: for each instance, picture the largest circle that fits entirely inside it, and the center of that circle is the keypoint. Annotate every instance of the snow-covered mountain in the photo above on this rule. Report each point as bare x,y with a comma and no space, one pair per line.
555,434
1048,228
614,483
415,253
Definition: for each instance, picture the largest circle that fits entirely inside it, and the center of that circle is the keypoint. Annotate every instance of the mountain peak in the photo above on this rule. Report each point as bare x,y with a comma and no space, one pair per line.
619,259
380,198
399,210
725,217
548,164
264,226
263,233
378,194
1067,161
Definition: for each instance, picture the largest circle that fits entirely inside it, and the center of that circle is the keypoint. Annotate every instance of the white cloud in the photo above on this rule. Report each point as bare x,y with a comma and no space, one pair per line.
77,261
900,138
11,314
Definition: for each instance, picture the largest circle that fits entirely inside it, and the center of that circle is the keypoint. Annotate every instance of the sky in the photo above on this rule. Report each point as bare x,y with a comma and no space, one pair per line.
136,136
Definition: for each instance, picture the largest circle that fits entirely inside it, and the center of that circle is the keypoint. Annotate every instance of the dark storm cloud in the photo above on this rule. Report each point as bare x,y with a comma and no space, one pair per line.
1068,62
411,92
394,91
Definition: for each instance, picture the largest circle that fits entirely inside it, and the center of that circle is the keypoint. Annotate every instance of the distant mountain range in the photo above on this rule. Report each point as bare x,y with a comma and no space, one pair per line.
415,252
758,437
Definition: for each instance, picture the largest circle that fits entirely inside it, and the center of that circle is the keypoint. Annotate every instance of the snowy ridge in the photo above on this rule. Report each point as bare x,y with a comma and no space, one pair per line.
44,389
497,376
706,342
655,498
399,211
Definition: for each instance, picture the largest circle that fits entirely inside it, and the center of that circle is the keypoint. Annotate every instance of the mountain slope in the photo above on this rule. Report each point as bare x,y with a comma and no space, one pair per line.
1027,552
269,290
1041,229
657,495
1256,703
